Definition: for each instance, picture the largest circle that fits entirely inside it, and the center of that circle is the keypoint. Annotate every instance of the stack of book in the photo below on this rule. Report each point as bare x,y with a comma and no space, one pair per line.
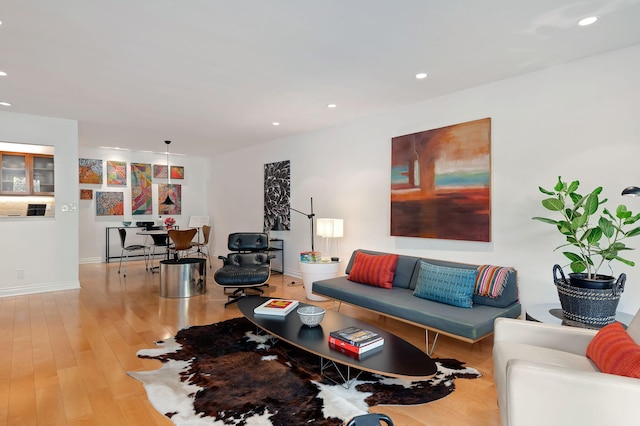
310,256
355,341
276,307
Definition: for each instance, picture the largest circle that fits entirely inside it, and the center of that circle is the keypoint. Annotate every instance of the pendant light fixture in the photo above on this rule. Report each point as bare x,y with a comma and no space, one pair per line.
167,201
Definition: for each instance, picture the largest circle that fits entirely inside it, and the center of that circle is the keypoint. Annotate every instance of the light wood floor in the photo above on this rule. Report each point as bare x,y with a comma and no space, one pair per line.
65,354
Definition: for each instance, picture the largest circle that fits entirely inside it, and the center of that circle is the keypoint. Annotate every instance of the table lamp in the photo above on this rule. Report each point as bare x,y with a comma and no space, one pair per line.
330,229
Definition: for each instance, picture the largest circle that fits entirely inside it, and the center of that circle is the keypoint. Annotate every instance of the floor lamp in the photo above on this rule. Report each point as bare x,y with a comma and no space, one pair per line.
310,217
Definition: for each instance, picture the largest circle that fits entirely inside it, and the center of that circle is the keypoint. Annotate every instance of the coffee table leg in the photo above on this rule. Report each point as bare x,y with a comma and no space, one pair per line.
346,381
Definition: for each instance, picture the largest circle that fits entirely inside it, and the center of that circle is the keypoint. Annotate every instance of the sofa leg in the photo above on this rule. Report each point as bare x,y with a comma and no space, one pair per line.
433,345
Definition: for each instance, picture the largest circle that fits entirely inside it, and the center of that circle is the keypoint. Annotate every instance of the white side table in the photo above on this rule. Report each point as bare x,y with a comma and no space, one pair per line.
316,271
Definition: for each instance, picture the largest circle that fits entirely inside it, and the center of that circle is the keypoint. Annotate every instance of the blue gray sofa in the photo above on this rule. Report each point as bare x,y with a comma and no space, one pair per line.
467,324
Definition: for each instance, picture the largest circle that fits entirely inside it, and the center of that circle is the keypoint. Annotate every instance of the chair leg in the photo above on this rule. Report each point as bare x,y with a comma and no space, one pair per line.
124,273
120,264
209,257
241,292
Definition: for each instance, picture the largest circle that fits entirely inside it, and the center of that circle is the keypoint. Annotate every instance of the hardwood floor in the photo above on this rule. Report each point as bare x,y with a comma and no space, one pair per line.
66,353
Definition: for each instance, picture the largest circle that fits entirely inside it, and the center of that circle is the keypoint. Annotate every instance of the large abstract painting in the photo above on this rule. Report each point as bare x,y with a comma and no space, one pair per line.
174,192
441,183
109,203
277,181
141,192
117,173
89,170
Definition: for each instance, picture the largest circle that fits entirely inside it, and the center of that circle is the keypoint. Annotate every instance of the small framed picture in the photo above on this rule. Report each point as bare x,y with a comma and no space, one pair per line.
177,172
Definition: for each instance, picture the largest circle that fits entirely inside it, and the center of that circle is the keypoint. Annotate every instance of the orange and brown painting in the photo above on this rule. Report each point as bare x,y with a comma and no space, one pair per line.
441,183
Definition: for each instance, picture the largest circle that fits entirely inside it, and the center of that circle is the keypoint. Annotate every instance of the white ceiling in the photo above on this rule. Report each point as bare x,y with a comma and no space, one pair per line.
212,75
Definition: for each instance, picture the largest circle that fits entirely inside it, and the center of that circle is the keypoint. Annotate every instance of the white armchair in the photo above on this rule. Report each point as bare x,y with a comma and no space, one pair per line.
543,377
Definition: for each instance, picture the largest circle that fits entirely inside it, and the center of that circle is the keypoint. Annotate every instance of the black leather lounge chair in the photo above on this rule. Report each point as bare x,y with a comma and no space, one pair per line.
247,267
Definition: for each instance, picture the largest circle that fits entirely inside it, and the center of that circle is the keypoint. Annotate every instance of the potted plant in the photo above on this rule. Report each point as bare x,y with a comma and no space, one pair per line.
594,238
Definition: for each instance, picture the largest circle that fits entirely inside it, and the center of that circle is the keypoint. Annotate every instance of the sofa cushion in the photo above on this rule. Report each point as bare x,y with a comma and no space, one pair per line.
491,280
405,267
615,352
376,270
453,286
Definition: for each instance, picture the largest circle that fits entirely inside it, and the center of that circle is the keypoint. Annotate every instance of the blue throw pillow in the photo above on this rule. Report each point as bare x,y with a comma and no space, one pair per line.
453,286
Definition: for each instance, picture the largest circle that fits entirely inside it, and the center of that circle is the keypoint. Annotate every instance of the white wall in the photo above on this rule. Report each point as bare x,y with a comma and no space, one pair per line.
579,120
46,249
195,189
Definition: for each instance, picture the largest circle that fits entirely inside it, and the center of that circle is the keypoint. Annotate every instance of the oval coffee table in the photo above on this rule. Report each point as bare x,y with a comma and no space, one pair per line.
395,358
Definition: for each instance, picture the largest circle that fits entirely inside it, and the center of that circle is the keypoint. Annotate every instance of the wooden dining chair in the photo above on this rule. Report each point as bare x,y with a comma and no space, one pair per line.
181,241
202,248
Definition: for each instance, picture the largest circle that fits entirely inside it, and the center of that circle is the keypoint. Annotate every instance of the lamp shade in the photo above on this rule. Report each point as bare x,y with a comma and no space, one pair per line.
330,228
631,191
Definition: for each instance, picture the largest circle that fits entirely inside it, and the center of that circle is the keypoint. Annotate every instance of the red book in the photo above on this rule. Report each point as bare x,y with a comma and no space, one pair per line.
337,343
358,356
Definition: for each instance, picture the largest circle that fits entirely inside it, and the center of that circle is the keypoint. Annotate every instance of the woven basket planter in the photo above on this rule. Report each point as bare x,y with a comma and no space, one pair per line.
592,307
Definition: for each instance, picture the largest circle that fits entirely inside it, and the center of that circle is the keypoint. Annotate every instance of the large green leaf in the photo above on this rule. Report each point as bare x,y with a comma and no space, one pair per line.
606,226
560,185
591,205
593,235
633,232
553,204
626,262
545,220
632,220
577,200
577,267
573,186
622,212
579,221
546,191
572,256
564,227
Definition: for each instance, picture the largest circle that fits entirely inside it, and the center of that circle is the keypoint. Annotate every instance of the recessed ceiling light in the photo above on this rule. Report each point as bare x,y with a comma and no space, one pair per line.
275,123
587,21
3,74
421,75
331,105
5,104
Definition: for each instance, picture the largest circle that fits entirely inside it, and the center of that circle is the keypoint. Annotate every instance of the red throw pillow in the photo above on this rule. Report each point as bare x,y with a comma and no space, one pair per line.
374,269
614,351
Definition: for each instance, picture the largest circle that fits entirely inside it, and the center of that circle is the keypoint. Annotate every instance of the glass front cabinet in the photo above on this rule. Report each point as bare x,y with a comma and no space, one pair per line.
26,174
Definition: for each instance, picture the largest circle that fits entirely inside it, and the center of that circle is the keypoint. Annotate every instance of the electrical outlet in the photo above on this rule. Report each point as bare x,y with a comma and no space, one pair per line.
20,274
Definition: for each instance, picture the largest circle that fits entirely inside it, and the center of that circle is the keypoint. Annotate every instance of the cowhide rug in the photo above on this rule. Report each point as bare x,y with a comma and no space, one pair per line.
225,374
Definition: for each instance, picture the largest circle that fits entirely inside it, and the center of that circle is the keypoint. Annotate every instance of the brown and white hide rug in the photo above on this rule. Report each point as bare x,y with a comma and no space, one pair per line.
226,374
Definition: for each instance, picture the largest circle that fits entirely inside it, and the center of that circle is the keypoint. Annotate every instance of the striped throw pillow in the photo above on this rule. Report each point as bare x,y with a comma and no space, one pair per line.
491,280
453,286
614,351
376,270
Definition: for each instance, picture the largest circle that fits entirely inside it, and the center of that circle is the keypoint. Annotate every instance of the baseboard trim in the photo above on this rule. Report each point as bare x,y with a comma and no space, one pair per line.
91,260
39,288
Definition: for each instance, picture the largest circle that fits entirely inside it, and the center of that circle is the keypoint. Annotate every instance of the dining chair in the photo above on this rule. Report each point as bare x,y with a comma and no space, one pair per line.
202,247
181,241
157,241
126,249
